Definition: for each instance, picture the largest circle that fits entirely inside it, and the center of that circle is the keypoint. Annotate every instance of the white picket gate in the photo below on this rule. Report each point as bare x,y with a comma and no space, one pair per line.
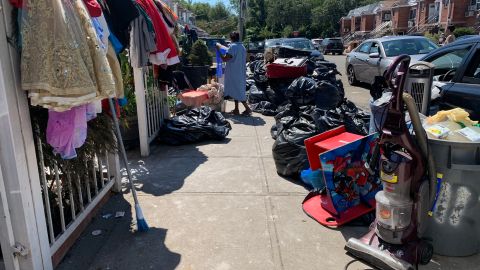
152,106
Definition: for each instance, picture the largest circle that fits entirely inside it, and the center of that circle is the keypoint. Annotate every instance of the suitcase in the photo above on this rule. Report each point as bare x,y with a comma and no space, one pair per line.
287,68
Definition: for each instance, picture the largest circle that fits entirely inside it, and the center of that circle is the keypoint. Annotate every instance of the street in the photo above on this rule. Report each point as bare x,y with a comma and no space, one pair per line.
358,95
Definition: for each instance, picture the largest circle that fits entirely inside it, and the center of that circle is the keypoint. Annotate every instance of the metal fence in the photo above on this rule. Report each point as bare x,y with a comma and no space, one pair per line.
69,195
152,106
156,104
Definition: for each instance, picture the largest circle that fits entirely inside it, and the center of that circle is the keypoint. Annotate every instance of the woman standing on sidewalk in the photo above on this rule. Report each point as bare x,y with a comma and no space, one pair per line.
235,73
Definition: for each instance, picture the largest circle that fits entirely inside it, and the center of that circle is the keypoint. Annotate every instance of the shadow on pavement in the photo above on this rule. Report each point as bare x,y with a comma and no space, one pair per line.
246,120
167,167
118,246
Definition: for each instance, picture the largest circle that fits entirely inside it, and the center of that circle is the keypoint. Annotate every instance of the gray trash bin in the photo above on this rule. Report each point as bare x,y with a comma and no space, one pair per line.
455,226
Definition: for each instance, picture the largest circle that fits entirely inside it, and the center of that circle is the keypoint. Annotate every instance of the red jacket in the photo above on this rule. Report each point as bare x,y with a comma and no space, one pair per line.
166,51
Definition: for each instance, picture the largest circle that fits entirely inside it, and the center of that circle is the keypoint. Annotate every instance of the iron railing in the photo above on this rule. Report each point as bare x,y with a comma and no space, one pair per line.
69,195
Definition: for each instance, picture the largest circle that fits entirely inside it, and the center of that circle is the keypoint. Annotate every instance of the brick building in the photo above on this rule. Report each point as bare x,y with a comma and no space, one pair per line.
401,17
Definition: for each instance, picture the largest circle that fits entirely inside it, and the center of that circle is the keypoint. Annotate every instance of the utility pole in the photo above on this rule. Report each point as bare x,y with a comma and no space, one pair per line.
241,18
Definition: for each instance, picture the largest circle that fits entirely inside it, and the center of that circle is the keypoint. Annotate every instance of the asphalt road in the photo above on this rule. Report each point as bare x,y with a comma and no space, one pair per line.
359,95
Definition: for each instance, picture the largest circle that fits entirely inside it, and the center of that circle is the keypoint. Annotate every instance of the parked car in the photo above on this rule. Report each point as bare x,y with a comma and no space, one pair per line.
331,45
316,42
295,43
457,75
465,36
254,47
373,56
269,43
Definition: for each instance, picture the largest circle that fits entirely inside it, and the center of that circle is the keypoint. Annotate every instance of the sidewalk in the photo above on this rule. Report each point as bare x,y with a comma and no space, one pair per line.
218,206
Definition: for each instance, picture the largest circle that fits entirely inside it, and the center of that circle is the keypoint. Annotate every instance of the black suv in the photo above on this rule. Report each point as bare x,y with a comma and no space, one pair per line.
331,45
457,75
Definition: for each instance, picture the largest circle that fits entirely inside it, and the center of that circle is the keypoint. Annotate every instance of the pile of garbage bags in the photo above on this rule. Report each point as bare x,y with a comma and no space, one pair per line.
196,125
320,88
295,124
303,107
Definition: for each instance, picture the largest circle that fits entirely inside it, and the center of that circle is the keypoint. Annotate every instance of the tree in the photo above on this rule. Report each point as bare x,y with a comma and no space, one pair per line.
217,20
199,55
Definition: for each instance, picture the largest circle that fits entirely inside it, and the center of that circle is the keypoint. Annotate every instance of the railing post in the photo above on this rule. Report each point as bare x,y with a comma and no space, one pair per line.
114,164
141,111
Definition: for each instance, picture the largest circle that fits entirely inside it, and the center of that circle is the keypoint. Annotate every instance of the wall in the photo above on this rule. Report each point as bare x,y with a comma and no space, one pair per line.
422,12
458,9
345,24
368,23
400,18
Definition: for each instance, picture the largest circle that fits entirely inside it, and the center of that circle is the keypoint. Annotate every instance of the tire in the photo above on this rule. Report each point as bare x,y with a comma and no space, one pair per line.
352,80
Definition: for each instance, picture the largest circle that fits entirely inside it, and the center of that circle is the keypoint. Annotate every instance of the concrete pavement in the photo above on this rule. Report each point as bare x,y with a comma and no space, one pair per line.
359,95
219,206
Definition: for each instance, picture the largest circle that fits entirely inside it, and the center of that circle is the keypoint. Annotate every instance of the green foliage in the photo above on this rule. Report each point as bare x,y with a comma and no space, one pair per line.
433,37
216,19
199,55
129,86
287,31
312,18
275,18
463,31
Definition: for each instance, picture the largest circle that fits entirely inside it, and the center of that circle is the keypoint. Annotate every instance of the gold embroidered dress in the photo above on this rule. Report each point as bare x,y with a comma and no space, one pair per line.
62,62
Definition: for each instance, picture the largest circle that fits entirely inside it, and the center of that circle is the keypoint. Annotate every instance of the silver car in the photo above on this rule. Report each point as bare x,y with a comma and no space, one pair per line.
373,56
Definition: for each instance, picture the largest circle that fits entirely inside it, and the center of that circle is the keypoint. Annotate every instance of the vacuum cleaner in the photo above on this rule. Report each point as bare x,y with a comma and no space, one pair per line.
407,170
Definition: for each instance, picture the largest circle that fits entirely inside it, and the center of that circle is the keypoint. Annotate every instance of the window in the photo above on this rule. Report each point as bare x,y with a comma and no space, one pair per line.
364,48
387,16
375,48
410,46
472,73
448,62
413,14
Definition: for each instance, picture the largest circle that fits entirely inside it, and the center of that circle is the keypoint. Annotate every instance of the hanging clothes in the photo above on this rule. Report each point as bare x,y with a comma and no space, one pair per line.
116,71
142,43
102,33
66,67
167,11
67,130
119,14
166,52
93,8
165,19
17,3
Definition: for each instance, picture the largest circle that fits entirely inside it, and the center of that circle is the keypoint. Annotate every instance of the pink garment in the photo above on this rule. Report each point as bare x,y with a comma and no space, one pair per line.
67,130
91,111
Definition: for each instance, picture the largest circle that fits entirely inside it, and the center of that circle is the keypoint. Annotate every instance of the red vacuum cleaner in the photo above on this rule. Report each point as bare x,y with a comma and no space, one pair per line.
407,171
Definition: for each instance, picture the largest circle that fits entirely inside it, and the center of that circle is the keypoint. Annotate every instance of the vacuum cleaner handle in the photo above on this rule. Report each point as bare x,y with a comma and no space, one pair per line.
402,62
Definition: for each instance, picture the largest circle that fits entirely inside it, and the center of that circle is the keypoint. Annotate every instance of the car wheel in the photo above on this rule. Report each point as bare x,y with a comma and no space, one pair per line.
352,80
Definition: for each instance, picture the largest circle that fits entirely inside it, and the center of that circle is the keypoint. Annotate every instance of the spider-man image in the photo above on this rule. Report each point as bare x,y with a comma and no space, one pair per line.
349,180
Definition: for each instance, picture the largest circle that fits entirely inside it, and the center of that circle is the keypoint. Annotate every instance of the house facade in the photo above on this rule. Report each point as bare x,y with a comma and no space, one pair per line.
400,17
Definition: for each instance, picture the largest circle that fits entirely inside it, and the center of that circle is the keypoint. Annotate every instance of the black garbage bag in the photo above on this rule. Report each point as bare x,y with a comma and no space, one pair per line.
195,125
260,74
264,107
328,95
326,120
302,91
355,124
289,151
259,56
255,95
289,114
279,86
